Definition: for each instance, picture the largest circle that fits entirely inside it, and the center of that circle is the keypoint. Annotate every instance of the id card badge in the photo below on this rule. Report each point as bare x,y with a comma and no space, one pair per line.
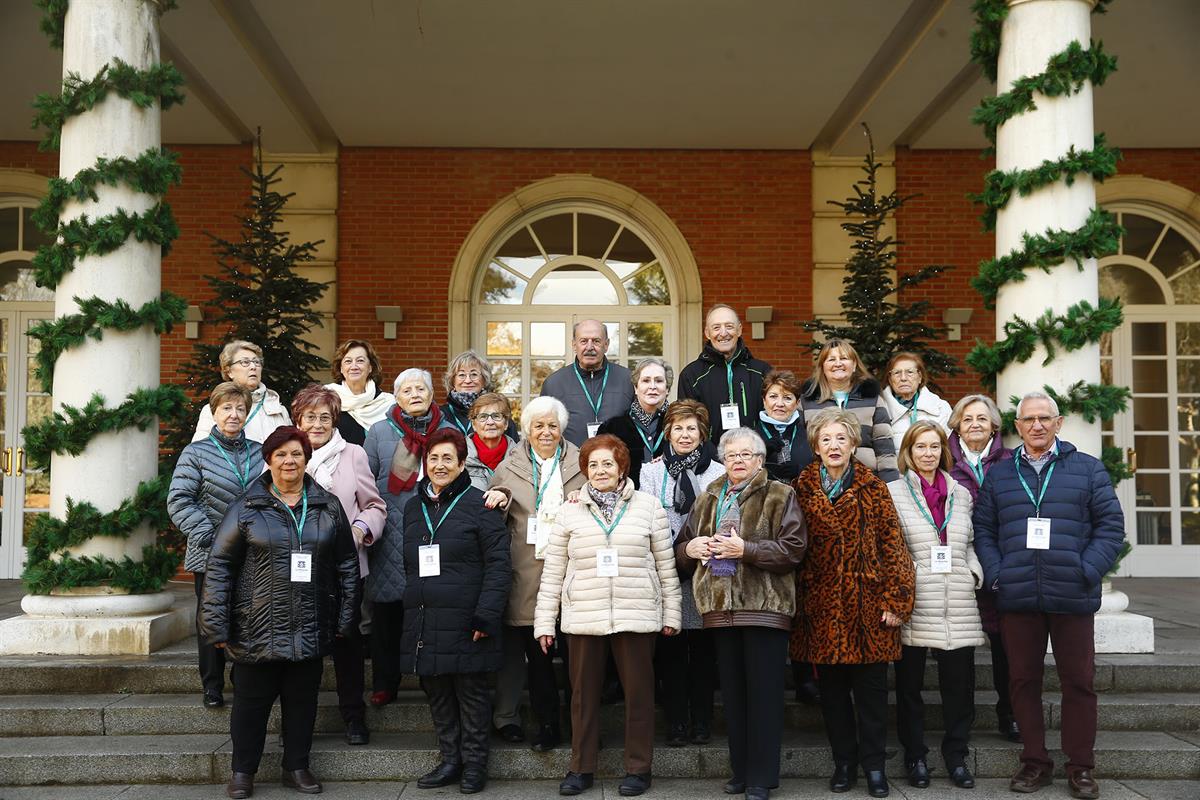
606,562
1037,533
429,564
729,416
531,531
939,558
593,429
543,539
301,567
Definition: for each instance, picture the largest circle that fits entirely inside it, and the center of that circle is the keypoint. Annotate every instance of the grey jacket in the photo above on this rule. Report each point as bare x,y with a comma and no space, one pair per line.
203,487
481,476
563,385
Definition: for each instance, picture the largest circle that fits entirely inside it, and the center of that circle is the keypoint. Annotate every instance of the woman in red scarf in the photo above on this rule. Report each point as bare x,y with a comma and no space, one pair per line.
488,443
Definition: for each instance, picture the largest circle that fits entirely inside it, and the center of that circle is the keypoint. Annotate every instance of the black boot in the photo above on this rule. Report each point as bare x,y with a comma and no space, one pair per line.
442,775
575,783
845,775
474,778
877,783
918,773
677,735
546,739
633,784
1008,729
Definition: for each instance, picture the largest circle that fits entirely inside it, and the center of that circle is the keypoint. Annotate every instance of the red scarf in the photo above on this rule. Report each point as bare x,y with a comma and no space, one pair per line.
410,450
490,456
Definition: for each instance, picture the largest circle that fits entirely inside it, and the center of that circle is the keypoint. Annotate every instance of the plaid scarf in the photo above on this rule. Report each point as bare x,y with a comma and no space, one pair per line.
406,461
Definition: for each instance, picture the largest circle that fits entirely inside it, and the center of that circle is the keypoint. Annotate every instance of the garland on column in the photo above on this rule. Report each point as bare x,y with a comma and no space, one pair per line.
70,430
1082,324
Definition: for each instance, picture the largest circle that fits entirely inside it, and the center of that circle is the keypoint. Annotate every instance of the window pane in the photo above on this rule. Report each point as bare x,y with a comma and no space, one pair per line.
1187,287
10,219
504,339
1189,490
1150,413
1130,284
1150,376
32,234
595,235
1189,524
1188,370
1153,489
520,254
1153,452
575,285
548,338
1140,234
645,339
614,340
1149,338
1174,253
539,370
1154,527
648,288
630,249
1189,414
1189,452
1187,338
18,283
556,234
506,378
501,287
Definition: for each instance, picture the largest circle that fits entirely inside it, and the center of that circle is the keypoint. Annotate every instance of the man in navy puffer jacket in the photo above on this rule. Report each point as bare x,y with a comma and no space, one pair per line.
1048,526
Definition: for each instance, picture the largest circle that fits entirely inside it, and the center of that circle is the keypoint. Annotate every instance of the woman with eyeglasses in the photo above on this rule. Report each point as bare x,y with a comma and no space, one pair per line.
358,382
489,442
909,398
641,428
242,363
468,376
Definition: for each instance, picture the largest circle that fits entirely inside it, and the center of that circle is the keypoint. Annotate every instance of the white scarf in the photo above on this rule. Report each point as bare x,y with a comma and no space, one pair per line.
366,408
973,457
324,461
552,500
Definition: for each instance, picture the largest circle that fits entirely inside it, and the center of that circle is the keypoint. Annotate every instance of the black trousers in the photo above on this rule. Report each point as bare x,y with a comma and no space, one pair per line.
956,683
751,662
461,706
387,623
255,687
685,670
212,659
1004,708
854,705
349,662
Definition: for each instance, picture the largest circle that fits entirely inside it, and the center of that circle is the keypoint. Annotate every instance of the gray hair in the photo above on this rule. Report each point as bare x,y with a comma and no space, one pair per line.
960,408
737,434
540,407
461,360
649,360
834,416
411,373
575,328
1036,395
231,349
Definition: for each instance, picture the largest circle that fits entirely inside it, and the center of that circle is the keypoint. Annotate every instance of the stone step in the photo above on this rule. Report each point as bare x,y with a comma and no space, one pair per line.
170,714
199,759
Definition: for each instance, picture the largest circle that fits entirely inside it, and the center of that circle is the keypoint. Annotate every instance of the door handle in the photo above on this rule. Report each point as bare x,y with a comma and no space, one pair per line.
8,461
1130,459
20,461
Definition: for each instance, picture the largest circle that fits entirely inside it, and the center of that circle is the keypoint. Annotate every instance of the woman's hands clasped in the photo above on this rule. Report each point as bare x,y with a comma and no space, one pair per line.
722,547
493,498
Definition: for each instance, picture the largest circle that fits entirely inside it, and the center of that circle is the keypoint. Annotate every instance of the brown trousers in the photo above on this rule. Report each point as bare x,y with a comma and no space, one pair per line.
634,656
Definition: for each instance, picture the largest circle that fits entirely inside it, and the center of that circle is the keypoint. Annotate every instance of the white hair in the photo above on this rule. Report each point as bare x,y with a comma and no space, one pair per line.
540,407
412,373
757,445
1035,395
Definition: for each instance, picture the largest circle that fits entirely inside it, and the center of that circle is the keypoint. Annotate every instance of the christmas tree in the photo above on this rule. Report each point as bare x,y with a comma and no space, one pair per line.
878,322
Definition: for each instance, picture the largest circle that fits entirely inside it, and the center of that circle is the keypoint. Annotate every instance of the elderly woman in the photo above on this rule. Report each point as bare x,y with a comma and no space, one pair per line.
395,452
909,398
840,380
210,474
488,442
282,583
856,590
685,665
975,446
357,380
935,516
458,569
641,429
242,363
342,469
780,424
743,541
468,376
610,568
529,485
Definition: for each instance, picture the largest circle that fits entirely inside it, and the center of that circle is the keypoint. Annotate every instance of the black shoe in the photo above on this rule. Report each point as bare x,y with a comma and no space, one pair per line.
546,740
735,786
701,734
442,775
474,778
213,700
757,793
877,783
1009,730
240,786
575,783
677,737
633,784
301,780
808,693
511,733
357,732
845,775
962,777
918,773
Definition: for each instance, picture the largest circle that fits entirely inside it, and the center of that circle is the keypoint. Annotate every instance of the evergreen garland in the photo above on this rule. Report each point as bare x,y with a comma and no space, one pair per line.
82,237
149,575
985,39
47,535
54,21
153,172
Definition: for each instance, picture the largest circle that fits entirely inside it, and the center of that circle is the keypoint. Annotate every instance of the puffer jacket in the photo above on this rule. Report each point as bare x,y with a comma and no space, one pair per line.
985,598
643,598
250,601
944,615
441,612
267,414
203,485
878,450
1086,531
706,380
481,475
930,408
762,591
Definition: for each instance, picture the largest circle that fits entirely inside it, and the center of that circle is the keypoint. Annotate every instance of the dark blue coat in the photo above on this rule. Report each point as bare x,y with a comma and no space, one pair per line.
1086,531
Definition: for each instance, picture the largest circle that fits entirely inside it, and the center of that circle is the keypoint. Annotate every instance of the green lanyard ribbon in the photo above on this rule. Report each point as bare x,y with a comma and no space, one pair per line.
912,415
646,441
1037,504
537,483
977,468
834,490
429,523
464,427
595,404
722,505
256,409
662,490
791,442
608,529
297,524
928,515
242,479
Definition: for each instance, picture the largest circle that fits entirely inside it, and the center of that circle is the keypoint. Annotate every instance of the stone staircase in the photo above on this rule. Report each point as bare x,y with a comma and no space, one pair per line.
139,720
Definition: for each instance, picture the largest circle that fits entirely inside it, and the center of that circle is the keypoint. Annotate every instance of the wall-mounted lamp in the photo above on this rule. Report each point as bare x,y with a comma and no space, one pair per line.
955,318
758,317
389,316
192,318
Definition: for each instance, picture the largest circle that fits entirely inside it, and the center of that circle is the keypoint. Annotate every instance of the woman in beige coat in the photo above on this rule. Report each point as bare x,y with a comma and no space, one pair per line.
935,516
529,485
610,568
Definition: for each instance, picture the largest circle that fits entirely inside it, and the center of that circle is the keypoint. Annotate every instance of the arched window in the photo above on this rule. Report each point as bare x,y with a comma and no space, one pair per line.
19,241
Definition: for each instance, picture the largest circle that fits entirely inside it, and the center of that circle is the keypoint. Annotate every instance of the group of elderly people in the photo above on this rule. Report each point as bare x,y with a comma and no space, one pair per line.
829,523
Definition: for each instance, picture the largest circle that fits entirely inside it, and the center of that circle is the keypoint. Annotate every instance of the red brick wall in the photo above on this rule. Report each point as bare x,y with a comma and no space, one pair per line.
1181,167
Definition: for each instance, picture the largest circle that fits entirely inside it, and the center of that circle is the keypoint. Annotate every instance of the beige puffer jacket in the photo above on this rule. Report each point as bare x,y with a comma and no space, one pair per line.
945,615
643,598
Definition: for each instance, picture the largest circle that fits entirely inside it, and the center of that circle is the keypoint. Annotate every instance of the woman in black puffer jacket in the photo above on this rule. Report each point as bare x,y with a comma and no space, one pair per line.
282,582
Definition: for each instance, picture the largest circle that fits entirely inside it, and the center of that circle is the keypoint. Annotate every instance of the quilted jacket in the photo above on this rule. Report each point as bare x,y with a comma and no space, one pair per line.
878,448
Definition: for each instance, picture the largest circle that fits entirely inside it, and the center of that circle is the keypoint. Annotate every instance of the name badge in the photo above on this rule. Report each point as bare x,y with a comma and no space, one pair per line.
939,558
543,540
429,560
531,531
593,429
1037,533
729,416
606,562
301,567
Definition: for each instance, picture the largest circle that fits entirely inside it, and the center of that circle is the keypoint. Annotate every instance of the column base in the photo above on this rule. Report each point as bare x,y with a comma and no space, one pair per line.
1124,632
96,625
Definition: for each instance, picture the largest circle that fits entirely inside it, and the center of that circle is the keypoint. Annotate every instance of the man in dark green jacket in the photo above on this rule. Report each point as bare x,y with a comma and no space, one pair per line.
725,378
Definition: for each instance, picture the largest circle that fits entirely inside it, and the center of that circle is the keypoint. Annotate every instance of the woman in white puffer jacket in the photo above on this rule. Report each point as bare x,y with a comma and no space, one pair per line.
935,515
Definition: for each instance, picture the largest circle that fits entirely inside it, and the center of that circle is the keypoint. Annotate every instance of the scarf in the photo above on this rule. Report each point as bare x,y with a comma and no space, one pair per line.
462,401
693,464
410,450
490,456
974,458
828,482
649,422
325,459
605,501
777,436
935,497
366,408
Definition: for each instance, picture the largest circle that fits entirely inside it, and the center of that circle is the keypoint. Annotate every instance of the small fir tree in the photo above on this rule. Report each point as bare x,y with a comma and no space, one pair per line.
878,322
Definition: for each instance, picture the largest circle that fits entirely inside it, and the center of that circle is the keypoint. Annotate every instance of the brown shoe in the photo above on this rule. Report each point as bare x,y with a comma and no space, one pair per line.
301,780
1029,779
1083,785
240,786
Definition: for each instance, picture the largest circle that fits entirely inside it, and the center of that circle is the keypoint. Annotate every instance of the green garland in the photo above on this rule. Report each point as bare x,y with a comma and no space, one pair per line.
1092,401
82,237
985,39
48,536
142,87
54,21
1113,460
1099,162
150,574
95,317
153,172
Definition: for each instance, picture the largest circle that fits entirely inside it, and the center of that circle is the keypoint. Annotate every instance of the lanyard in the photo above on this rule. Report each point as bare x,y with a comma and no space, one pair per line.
429,523
928,515
537,483
395,427
837,486
723,506
912,415
595,404
646,441
298,524
977,468
465,428
791,441
256,408
729,380
662,490
1037,504
608,529
242,479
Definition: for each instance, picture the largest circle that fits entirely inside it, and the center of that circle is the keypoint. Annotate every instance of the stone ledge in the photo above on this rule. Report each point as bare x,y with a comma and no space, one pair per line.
94,636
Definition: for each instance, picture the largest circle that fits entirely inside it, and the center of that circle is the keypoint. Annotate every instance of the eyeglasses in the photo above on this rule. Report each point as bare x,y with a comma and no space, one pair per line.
905,373
247,363
324,419
740,456
473,375
490,417
1043,421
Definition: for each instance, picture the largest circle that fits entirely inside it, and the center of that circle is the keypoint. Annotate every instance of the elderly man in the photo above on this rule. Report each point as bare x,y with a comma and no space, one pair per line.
1048,527
592,388
725,378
